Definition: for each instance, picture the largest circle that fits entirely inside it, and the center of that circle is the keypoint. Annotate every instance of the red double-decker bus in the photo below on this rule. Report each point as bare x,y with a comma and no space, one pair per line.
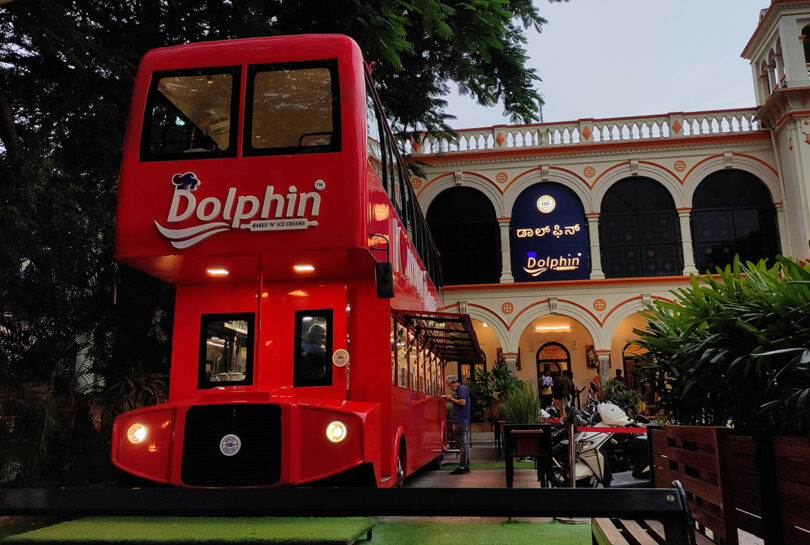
260,178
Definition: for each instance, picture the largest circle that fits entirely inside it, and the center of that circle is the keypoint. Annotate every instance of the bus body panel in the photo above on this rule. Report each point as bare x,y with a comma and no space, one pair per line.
146,190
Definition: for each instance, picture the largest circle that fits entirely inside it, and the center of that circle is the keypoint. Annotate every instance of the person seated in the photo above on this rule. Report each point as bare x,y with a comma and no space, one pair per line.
313,353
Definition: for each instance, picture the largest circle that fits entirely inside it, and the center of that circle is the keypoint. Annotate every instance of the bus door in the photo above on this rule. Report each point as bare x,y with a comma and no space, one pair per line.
314,323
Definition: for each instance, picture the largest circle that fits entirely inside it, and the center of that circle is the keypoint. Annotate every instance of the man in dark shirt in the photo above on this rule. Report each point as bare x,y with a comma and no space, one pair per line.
460,399
621,378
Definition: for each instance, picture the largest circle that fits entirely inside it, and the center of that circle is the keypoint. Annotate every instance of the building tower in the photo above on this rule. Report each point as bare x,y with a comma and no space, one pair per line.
779,52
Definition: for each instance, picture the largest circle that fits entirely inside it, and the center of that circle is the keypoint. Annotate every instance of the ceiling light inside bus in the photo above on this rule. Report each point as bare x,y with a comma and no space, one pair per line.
217,271
336,431
136,433
306,268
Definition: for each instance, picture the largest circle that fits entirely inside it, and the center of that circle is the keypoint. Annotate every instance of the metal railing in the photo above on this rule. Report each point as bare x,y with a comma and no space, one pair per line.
667,505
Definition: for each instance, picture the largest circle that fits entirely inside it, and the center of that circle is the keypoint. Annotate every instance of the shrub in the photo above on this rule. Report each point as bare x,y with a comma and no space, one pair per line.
735,344
491,387
521,405
620,395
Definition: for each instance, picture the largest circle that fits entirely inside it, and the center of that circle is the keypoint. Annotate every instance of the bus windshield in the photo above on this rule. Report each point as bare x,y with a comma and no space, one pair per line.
292,108
189,115
226,349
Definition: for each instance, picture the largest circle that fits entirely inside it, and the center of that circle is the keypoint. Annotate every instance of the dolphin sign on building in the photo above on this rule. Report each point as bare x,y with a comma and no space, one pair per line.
549,236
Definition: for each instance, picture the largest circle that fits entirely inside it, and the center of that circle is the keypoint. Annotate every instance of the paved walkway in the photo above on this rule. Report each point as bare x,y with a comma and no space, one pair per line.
492,478
477,478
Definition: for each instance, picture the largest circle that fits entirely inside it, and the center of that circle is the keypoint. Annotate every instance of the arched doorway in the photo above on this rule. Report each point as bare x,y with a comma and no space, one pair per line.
554,357
465,229
630,354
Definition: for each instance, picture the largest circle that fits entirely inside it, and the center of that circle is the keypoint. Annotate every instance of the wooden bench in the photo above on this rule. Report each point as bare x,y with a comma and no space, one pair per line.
608,531
757,484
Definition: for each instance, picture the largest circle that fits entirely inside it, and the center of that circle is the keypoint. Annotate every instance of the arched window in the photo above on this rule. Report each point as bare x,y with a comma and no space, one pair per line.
465,230
806,43
732,213
765,78
639,230
780,64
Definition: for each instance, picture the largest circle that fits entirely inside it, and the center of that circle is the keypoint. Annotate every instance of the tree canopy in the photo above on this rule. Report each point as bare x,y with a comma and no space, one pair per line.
70,317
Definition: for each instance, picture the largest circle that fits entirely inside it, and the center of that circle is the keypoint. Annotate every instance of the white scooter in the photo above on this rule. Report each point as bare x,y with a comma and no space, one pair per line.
592,468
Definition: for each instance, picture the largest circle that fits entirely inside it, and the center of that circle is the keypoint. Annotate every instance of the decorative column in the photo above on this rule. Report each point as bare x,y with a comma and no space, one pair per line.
506,252
604,364
686,241
781,224
596,252
510,359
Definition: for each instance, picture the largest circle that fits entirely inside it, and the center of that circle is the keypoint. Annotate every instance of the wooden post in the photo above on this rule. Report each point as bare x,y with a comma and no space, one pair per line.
508,442
769,500
724,484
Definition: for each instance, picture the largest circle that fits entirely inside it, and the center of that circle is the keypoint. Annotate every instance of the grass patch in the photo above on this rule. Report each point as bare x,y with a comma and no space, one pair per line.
490,465
502,533
10,526
148,530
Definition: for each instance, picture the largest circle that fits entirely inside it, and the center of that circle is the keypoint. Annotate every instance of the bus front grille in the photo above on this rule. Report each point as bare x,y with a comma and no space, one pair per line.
213,457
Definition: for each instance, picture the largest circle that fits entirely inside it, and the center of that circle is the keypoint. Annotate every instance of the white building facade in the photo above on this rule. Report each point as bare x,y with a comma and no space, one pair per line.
555,236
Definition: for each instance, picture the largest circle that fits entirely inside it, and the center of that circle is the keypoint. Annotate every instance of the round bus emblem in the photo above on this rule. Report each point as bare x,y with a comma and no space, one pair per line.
340,357
546,204
230,444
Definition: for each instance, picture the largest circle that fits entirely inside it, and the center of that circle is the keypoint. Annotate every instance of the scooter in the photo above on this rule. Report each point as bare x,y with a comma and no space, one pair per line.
592,466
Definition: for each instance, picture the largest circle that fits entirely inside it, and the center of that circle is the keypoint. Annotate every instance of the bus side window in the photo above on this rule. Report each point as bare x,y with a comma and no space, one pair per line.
393,332
373,141
423,371
413,374
392,172
402,356
226,350
408,219
313,347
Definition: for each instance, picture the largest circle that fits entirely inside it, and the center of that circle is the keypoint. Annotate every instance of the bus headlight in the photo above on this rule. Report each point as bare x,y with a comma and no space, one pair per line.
336,431
136,433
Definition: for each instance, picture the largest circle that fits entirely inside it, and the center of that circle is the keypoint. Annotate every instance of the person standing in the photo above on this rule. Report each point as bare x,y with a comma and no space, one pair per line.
462,412
567,388
546,393
595,388
621,378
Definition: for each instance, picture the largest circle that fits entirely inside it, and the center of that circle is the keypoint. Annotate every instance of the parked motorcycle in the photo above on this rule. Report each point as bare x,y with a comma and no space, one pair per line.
599,454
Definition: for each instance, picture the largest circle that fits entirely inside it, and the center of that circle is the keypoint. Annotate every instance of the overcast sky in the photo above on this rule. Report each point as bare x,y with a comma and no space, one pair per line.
611,58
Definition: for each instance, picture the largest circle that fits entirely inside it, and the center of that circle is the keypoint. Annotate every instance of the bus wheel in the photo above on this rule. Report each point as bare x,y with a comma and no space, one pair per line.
400,471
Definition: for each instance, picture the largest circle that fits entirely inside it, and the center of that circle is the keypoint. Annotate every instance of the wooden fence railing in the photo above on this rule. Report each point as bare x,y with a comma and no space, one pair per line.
759,484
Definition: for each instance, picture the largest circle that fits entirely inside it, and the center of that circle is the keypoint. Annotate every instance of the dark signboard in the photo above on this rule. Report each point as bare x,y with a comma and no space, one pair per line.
549,235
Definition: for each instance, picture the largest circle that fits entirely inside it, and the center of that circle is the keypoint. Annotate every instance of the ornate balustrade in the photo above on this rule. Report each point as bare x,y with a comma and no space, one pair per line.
589,131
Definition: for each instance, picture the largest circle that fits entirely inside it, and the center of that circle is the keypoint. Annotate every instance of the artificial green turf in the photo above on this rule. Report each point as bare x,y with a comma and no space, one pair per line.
190,530
490,465
150,530
471,533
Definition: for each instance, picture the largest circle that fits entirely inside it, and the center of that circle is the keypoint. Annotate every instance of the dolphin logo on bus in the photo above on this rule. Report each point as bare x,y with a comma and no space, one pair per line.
289,211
